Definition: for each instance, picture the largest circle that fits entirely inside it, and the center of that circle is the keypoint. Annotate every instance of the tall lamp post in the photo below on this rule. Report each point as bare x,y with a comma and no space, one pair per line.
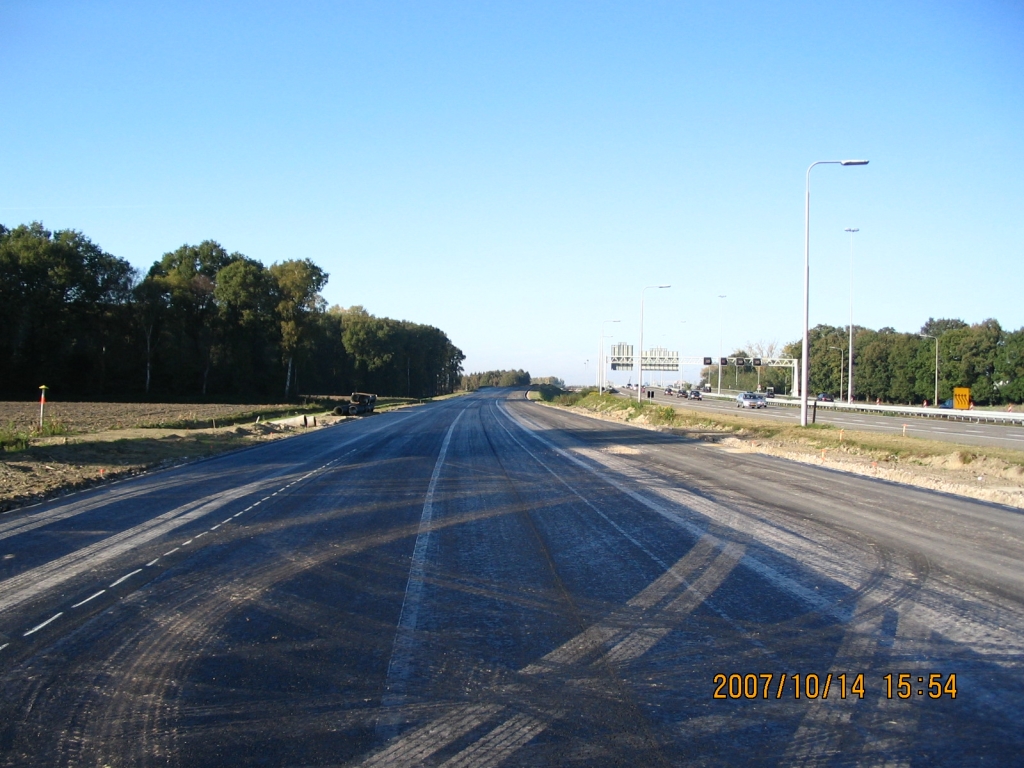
805,348
681,322
600,378
936,338
721,321
640,353
842,360
849,356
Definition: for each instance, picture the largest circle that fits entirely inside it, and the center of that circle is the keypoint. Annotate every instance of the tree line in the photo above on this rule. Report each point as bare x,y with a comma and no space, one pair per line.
201,323
895,367
474,381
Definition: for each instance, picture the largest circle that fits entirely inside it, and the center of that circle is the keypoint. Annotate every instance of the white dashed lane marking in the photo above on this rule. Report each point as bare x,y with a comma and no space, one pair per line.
126,577
40,626
175,549
90,597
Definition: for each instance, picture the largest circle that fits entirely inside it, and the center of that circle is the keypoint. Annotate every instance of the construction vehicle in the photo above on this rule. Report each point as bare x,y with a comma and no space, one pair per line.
361,402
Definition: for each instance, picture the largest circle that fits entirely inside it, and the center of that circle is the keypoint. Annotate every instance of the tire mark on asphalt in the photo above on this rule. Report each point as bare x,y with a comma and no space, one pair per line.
127,693
31,520
500,744
400,664
817,739
506,738
598,635
51,573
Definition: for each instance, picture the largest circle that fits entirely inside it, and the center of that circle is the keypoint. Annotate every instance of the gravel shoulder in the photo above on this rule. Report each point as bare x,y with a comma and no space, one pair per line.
954,469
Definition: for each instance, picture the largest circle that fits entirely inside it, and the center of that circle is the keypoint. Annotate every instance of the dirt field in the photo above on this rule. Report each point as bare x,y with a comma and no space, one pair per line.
98,442
78,418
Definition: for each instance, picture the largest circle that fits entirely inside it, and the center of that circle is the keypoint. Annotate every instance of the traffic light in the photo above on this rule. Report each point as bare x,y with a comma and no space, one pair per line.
757,362
707,361
724,360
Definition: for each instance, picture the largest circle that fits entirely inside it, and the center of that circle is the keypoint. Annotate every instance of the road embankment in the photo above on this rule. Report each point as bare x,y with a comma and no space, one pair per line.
987,474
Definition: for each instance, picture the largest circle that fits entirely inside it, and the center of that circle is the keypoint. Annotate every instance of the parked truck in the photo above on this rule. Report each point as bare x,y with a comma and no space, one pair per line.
360,402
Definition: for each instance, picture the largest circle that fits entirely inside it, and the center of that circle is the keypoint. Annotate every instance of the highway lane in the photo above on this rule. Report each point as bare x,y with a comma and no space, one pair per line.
997,435
488,581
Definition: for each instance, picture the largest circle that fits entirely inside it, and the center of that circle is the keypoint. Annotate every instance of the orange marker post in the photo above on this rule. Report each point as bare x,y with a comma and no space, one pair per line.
42,402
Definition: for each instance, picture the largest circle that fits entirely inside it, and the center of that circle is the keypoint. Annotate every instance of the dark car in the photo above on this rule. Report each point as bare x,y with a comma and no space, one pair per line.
825,397
694,395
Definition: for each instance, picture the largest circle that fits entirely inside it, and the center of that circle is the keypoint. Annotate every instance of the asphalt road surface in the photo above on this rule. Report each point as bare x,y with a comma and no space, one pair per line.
490,582
997,435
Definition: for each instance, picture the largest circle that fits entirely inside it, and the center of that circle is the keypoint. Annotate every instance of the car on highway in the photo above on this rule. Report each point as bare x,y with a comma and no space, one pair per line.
946,403
750,400
825,397
694,395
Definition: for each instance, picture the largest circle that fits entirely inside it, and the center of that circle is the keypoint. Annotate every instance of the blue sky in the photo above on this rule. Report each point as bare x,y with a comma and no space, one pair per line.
515,173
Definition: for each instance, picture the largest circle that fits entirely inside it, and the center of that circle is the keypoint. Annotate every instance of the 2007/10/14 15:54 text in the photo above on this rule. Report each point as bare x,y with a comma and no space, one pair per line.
763,685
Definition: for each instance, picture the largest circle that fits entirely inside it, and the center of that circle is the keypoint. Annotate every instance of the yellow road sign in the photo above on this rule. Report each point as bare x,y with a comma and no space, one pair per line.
962,398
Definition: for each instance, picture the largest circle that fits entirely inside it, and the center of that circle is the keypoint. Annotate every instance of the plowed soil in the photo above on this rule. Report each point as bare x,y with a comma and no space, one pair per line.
100,442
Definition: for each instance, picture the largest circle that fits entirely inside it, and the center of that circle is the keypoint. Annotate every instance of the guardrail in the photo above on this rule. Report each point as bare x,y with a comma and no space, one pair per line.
973,415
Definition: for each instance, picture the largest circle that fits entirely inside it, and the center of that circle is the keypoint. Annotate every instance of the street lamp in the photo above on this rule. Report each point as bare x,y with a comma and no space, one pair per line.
681,322
849,393
640,358
721,321
805,348
841,352
926,336
600,377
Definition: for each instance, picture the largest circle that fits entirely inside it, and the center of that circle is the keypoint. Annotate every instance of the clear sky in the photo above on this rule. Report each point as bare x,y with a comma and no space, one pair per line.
514,173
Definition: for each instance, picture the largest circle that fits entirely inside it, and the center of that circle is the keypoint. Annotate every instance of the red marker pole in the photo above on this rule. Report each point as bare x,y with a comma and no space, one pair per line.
42,402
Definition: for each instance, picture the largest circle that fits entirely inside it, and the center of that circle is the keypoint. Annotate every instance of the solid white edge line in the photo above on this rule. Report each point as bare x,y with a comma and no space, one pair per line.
90,597
126,577
36,629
